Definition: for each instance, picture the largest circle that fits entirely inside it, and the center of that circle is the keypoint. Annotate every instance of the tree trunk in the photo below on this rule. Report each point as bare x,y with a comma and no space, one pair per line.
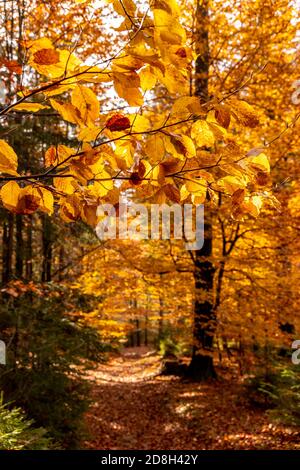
161,319
47,249
28,250
201,366
146,330
61,263
19,246
7,248
138,332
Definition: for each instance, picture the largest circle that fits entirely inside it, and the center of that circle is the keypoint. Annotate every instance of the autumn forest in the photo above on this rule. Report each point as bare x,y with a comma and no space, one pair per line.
149,211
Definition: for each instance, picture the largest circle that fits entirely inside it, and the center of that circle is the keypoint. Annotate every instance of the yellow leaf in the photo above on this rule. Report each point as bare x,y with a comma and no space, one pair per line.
47,200
187,106
179,146
260,162
59,154
157,175
92,159
57,89
219,131
37,44
124,8
232,183
81,172
54,63
70,208
175,80
127,62
148,170
147,56
24,201
197,188
101,188
89,214
89,133
127,86
202,134
253,206
65,185
20,201
167,29
147,78
154,148
169,6
67,111
124,154
8,159
93,74
243,112
139,123
30,107
232,169
171,37
10,195
189,146
85,100
184,193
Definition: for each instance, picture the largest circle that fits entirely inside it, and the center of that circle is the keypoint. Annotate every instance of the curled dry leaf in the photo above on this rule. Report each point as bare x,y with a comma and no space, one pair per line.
118,122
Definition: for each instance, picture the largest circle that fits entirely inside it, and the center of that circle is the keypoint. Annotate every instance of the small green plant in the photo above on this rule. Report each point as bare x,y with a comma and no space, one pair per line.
17,432
168,348
46,360
279,391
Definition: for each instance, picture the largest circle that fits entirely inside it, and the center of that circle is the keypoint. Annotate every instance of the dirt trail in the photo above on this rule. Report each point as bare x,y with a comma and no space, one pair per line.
135,409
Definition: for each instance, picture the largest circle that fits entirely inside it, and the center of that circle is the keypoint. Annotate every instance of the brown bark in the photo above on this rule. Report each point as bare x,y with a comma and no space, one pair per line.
7,248
201,366
19,247
61,263
47,242
28,250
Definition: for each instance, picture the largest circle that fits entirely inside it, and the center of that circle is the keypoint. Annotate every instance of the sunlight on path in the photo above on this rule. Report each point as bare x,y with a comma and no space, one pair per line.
134,365
135,408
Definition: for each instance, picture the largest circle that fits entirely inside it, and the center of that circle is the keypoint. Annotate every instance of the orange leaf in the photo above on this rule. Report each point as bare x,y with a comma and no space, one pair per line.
13,66
118,122
46,57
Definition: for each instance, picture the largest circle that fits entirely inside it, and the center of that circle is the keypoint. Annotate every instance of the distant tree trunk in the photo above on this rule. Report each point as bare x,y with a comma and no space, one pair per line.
131,339
61,263
47,248
161,319
19,246
146,330
138,332
201,366
28,249
7,248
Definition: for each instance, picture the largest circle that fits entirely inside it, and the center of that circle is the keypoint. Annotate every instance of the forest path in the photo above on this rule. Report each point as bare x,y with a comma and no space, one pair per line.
134,408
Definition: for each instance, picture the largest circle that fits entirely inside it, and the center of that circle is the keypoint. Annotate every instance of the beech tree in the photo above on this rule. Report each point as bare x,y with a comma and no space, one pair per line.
197,150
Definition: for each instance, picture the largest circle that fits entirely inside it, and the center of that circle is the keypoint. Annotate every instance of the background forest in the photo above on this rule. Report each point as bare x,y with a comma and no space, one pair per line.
157,102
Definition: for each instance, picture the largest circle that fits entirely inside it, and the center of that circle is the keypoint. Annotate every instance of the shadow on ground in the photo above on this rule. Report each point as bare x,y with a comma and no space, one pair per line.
132,408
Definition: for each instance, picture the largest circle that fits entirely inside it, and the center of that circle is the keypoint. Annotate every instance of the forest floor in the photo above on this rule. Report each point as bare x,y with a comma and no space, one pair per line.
134,408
